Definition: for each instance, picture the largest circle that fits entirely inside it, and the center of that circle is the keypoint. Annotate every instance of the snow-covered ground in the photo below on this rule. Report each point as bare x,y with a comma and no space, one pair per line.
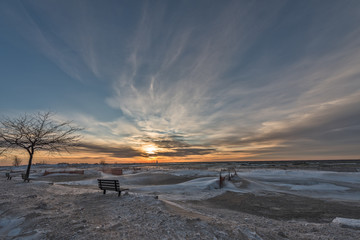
197,184
184,203
319,184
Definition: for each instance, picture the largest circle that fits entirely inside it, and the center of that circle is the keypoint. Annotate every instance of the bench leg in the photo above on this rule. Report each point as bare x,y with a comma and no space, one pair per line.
119,194
104,191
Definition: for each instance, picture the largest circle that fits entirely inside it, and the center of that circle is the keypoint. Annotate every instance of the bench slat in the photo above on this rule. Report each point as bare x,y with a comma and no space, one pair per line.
113,185
107,188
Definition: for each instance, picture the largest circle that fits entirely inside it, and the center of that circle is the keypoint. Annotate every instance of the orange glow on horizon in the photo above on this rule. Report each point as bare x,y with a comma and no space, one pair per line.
151,154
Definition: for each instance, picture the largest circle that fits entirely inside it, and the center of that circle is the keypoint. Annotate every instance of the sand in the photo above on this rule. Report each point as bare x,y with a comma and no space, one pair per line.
49,208
43,211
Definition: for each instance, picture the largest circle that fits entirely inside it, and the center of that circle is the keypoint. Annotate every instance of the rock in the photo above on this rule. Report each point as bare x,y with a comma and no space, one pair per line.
32,196
42,206
282,234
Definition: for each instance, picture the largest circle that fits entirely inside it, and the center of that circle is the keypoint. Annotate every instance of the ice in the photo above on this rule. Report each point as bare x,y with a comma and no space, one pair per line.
347,222
10,226
301,175
309,183
191,173
251,235
77,201
315,187
81,183
193,189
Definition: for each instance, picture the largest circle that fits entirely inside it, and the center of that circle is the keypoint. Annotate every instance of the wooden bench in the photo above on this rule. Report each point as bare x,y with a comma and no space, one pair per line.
8,176
26,179
111,185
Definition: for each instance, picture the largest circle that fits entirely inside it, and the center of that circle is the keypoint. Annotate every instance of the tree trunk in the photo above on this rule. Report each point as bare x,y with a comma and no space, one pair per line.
29,164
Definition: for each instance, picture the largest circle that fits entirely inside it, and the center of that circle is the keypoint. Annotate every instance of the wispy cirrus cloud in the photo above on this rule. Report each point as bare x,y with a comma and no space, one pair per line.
241,77
182,81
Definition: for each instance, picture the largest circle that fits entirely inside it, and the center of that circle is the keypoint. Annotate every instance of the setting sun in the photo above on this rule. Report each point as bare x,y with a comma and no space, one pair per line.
150,149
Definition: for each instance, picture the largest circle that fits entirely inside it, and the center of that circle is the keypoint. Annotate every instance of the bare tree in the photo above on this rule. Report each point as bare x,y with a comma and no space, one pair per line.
37,132
17,161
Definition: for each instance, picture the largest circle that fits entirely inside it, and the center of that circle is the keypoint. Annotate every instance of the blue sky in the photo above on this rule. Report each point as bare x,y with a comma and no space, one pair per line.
189,80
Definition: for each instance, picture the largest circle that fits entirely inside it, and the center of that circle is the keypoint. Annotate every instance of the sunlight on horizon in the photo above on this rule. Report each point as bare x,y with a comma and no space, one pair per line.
150,149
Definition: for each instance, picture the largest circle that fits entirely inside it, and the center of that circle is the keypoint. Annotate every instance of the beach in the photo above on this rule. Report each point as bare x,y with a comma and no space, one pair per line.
167,202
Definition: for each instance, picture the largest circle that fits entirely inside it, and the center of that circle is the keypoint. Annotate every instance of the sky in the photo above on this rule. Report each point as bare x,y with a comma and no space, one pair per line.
188,80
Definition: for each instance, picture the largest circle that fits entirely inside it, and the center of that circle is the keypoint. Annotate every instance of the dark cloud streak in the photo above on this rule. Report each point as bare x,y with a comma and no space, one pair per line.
182,152
119,152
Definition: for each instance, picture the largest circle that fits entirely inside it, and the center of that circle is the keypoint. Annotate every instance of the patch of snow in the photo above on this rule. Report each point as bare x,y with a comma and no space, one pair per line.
251,235
301,175
62,174
315,187
194,173
319,184
10,226
311,183
198,188
347,222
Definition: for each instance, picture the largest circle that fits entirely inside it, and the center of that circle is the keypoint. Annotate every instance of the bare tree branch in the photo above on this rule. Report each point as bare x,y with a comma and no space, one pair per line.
37,132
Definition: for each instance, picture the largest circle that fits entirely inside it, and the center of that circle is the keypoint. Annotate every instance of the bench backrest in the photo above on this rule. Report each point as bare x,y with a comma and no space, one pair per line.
106,184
